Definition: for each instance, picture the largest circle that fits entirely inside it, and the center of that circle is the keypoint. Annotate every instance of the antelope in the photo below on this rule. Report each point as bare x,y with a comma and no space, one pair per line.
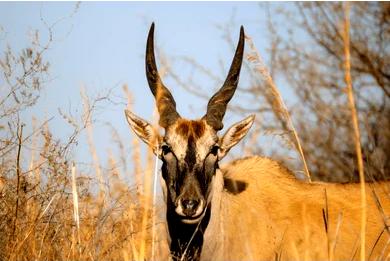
252,208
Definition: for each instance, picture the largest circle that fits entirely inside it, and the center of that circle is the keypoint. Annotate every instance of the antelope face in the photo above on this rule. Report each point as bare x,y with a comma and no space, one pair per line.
189,154
190,149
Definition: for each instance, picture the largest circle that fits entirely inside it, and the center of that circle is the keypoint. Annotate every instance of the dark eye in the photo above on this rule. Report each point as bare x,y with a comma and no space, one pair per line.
165,149
214,150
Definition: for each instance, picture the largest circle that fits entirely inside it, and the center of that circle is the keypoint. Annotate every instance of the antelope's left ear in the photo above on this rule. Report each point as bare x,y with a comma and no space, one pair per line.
144,130
234,134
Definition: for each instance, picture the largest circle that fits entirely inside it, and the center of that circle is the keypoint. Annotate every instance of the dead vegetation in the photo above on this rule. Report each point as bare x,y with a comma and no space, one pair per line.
52,208
306,57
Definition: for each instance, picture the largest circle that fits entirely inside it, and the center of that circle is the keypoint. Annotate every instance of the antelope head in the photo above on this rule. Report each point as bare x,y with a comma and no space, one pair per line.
190,149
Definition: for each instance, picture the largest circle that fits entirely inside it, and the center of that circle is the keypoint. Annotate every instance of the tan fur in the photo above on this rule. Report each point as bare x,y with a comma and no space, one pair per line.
278,216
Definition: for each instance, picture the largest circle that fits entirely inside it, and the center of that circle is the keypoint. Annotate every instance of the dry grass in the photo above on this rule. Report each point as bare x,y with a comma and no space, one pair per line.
278,105
87,119
356,131
54,210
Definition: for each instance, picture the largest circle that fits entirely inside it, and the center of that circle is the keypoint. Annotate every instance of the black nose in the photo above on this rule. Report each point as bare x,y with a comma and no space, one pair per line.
189,206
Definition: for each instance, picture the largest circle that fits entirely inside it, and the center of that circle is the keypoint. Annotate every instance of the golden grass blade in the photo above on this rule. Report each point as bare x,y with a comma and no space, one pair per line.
33,149
278,106
132,242
154,207
355,124
136,155
337,233
75,198
146,208
75,208
143,188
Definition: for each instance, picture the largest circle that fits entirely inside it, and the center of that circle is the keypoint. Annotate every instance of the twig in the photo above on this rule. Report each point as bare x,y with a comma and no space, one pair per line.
87,114
19,134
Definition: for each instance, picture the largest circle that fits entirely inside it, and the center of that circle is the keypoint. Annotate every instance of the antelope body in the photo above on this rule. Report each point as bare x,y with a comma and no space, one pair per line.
261,212
251,209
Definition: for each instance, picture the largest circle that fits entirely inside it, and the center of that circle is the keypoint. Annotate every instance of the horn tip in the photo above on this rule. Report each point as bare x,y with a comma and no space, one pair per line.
242,33
242,29
151,27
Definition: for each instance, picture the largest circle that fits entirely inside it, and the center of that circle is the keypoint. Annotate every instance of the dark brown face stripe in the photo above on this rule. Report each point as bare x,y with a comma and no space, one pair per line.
198,128
186,128
190,157
190,131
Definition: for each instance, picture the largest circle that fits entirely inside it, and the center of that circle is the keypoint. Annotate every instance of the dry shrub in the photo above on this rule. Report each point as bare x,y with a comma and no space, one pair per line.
311,59
58,220
52,208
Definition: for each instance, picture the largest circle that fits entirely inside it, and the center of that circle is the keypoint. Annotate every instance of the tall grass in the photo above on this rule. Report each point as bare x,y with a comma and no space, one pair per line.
278,105
356,131
76,215
89,126
59,213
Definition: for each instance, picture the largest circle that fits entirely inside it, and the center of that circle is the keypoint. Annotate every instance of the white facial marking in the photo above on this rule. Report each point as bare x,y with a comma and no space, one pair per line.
204,143
199,213
179,143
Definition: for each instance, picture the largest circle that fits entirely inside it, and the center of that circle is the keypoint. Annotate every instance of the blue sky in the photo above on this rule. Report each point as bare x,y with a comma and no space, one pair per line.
102,46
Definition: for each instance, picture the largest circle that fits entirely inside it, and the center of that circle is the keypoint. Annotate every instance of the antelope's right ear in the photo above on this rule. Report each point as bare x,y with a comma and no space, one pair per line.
144,130
234,134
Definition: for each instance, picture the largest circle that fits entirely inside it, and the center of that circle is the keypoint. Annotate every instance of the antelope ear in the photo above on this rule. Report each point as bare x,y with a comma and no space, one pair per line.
234,134
144,130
